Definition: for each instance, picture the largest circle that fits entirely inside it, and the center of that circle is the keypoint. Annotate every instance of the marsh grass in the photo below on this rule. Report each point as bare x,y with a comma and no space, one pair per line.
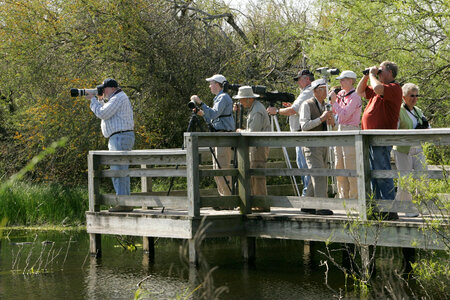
37,204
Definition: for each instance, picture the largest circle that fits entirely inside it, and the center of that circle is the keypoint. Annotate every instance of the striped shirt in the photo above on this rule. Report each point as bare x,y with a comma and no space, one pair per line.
116,114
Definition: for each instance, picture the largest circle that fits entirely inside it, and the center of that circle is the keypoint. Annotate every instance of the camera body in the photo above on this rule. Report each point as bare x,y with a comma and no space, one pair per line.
367,70
424,125
82,92
324,71
337,90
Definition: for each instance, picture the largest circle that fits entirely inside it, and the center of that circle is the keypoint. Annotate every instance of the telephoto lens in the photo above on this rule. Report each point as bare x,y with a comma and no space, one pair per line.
83,92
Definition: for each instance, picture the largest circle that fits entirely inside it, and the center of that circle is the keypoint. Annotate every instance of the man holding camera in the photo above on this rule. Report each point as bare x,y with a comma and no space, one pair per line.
303,79
219,118
382,112
117,126
257,120
314,116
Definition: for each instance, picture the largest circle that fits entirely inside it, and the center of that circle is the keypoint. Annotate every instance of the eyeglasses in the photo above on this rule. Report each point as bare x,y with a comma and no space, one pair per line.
414,96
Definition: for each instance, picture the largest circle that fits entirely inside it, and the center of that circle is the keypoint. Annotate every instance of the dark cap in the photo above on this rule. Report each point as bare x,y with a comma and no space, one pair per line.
109,82
301,73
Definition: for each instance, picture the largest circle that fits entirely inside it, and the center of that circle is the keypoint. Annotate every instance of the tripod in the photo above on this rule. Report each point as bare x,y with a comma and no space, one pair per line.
193,124
274,120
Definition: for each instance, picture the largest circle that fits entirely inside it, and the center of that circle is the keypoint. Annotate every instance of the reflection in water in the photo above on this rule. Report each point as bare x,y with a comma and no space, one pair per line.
283,269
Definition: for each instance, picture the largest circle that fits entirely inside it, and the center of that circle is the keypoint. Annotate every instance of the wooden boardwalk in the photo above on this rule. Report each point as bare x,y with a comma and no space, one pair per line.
187,212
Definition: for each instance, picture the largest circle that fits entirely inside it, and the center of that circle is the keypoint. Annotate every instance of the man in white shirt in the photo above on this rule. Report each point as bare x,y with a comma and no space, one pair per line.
303,79
117,126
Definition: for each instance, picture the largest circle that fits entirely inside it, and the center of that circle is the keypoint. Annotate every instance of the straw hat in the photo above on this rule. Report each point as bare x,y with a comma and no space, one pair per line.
245,92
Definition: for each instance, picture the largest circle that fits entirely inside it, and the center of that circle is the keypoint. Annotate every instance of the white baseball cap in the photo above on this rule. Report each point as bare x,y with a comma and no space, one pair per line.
317,83
218,78
347,74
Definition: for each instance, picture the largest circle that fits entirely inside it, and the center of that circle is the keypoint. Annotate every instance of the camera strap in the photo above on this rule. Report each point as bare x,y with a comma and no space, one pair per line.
415,114
342,98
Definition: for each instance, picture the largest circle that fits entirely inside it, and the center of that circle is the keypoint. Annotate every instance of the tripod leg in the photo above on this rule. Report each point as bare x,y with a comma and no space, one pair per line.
286,157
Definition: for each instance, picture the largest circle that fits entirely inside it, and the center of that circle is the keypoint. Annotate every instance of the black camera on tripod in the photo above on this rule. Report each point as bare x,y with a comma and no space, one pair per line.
193,106
261,90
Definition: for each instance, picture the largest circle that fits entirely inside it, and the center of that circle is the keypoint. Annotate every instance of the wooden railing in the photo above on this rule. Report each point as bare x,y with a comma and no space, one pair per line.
187,163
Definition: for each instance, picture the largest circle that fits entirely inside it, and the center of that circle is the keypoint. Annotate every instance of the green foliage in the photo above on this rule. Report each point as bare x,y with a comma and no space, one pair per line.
161,51
26,204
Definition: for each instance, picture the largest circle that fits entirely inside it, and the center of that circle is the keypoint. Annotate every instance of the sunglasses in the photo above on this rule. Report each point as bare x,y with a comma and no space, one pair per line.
414,96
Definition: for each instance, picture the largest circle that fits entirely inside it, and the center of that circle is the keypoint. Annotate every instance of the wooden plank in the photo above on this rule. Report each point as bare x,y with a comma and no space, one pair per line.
391,234
299,172
135,224
415,174
303,139
407,206
155,172
219,172
193,178
363,173
311,202
220,201
134,159
179,202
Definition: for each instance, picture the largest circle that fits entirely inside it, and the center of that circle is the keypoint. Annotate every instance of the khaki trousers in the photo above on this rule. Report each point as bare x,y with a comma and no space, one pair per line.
223,155
258,159
345,158
316,157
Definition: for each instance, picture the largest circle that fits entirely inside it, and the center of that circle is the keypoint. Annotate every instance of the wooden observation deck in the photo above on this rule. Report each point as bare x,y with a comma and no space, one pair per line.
188,212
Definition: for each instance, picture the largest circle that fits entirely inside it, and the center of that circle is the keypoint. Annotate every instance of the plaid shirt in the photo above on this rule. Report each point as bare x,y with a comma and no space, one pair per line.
116,114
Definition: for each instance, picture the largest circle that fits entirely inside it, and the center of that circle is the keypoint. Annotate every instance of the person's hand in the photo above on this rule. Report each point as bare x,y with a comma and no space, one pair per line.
200,113
330,121
272,110
89,96
374,70
196,99
326,115
332,97
236,106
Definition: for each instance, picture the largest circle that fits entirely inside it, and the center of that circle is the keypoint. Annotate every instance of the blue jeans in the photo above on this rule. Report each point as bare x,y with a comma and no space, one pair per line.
301,163
121,142
380,159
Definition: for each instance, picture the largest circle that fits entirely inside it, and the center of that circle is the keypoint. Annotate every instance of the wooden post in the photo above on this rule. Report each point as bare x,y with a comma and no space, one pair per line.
193,178
365,261
193,257
146,185
244,175
409,256
248,246
95,241
148,245
363,172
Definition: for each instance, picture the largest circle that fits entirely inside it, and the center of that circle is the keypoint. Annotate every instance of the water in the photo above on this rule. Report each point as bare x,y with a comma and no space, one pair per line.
283,269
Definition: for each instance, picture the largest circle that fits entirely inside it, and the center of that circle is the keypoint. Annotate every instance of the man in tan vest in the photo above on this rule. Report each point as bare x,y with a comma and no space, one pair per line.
315,117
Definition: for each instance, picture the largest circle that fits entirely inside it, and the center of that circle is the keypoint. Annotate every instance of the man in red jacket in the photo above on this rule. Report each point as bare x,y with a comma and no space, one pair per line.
382,112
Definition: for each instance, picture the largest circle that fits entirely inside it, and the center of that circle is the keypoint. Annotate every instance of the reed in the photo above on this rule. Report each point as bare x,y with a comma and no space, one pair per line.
37,204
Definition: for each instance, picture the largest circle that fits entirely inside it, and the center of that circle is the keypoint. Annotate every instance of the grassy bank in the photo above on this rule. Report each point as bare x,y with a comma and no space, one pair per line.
32,204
